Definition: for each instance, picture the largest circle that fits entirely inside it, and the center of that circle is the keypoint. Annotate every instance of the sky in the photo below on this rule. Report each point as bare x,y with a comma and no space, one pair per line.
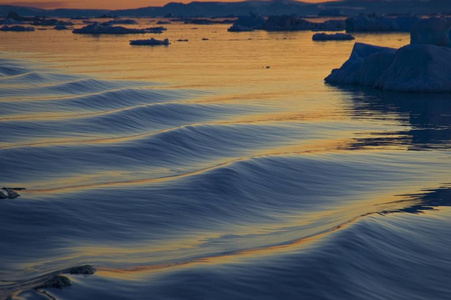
107,4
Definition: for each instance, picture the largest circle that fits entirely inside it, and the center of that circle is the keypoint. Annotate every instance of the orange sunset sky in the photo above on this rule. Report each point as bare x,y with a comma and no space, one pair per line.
107,4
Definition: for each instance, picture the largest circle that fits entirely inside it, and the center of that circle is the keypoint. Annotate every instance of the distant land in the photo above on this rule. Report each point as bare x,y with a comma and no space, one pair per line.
264,8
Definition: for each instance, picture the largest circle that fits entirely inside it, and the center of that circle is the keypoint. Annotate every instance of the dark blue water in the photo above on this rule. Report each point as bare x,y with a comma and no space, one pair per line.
172,198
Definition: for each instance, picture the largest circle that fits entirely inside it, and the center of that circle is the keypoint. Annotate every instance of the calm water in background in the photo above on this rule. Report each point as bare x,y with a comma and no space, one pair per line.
194,172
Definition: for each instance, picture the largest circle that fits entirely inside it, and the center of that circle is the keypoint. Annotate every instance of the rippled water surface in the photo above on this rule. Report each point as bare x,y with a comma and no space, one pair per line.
217,169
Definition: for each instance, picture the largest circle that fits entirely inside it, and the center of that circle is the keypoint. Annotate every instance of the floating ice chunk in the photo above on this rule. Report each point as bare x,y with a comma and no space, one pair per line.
332,37
150,42
60,27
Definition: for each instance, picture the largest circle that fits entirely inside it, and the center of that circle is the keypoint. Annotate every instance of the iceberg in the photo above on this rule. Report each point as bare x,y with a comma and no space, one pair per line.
434,31
247,23
418,68
332,37
120,22
422,67
331,25
157,29
150,42
60,27
98,28
284,23
51,22
287,23
16,28
373,23
10,21
363,67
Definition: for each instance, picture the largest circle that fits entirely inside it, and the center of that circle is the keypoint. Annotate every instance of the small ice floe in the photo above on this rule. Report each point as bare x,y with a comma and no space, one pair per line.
150,42
16,28
332,37
61,27
9,193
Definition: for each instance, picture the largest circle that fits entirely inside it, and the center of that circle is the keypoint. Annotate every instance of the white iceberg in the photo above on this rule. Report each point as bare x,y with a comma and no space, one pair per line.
418,68
424,66
363,66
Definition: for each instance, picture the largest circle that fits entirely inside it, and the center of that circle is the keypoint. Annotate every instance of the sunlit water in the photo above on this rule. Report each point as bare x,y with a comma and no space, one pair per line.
194,171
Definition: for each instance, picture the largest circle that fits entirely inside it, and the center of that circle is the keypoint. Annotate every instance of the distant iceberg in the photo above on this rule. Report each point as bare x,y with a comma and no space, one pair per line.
373,23
287,23
330,25
332,37
16,28
51,22
423,66
120,22
247,23
156,29
150,42
10,21
284,23
60,27
98,28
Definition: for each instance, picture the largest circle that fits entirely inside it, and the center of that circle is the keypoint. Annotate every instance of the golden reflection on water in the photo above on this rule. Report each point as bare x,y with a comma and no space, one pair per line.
226,60
232,67
277,247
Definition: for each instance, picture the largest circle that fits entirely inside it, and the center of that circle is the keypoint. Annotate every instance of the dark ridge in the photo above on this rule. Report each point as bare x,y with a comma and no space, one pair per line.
264,8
